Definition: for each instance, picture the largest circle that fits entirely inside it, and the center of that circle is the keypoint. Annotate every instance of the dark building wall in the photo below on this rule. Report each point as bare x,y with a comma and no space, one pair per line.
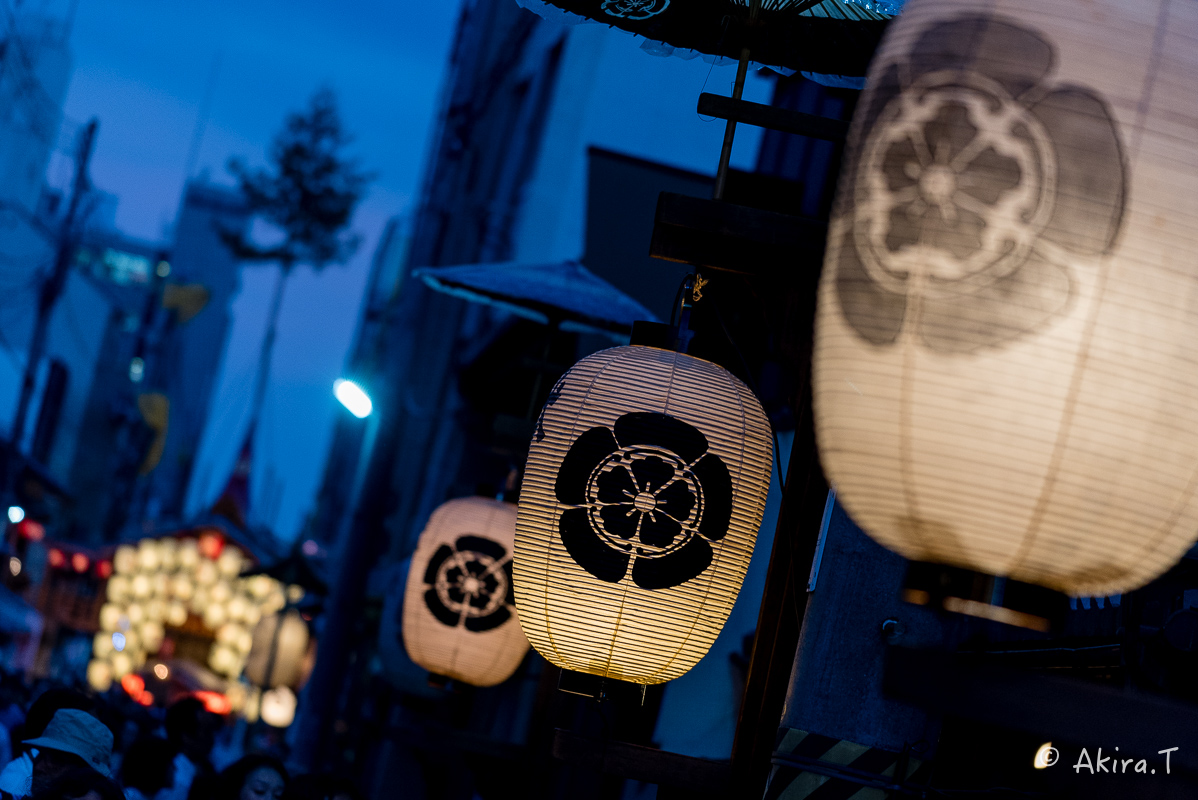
622,196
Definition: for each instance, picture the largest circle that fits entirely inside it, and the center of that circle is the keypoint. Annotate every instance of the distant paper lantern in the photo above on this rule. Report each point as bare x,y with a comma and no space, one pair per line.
110,617
207,573
99,675
214,615
125,561
645,485
122,665
152,635
176,614
102,645
168,554
289,642
141,586
1004,367
223,660
183,587
118,589
149,556
459,615
230,562
220,592
188,555
277,707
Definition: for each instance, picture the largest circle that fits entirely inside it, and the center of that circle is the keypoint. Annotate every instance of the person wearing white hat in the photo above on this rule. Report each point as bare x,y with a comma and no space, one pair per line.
73,739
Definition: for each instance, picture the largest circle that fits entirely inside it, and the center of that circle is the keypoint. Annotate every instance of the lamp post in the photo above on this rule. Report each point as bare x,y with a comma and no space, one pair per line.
368,501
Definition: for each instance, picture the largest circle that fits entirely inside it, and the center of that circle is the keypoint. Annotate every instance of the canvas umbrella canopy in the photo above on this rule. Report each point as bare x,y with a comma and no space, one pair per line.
835,37
566,295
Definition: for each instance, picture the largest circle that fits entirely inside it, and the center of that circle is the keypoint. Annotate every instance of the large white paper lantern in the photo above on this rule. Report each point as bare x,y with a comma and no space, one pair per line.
459,617
289,641
1007,333
644,489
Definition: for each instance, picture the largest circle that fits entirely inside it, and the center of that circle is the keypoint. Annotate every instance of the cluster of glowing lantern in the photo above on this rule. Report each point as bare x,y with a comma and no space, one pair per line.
171,583
644,489
1004,365
459,614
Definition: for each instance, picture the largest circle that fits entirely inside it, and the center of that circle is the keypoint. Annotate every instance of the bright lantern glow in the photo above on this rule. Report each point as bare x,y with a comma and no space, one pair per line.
291,645
161,671
15,514
99,675
644,489
352,397
1003,369
278,707
459,614
14,566
121,664
125,561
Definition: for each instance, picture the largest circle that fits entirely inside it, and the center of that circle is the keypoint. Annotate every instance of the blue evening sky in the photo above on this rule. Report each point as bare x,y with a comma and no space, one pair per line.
142,67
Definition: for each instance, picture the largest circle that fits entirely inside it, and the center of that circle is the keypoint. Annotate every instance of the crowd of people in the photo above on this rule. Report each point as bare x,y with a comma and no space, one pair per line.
66,746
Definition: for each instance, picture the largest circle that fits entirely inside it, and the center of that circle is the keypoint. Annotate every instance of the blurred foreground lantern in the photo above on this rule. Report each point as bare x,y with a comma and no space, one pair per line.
277,707
459,608
644,489
279,648
1004,365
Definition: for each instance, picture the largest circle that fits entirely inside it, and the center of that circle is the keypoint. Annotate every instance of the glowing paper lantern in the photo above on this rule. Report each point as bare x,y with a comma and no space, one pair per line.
278,707
220,592
110,617
187,554
214,615
118,589
122,665
149,556
230,562
1004,372
168,554
102,645
290,643
224,660
236,607
152,634
459,606
176,614
206,573
141,586
99,675
644,489
183,587
125,561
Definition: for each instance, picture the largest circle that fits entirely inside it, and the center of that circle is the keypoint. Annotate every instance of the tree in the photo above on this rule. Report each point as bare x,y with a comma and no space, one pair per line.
309,192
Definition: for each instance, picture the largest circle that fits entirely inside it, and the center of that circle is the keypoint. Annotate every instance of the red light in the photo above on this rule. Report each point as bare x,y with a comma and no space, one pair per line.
215,702
135,686
146,699
57,558
80,562
211,545
104,569
31,530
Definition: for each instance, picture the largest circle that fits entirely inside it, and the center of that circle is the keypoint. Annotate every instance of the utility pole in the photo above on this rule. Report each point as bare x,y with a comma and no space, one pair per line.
53,285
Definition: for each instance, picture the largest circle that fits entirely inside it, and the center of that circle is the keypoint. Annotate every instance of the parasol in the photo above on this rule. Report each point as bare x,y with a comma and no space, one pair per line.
835,37
565,294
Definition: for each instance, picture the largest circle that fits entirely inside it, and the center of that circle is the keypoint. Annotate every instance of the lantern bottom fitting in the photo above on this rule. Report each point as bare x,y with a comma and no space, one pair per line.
595,687
977,594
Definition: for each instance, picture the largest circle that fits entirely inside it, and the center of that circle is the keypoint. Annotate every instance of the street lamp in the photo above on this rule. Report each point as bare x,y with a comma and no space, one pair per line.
353,397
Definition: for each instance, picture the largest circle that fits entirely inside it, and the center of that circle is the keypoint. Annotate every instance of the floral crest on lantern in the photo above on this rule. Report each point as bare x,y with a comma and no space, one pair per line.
470,584
975,187
646,491
635,9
